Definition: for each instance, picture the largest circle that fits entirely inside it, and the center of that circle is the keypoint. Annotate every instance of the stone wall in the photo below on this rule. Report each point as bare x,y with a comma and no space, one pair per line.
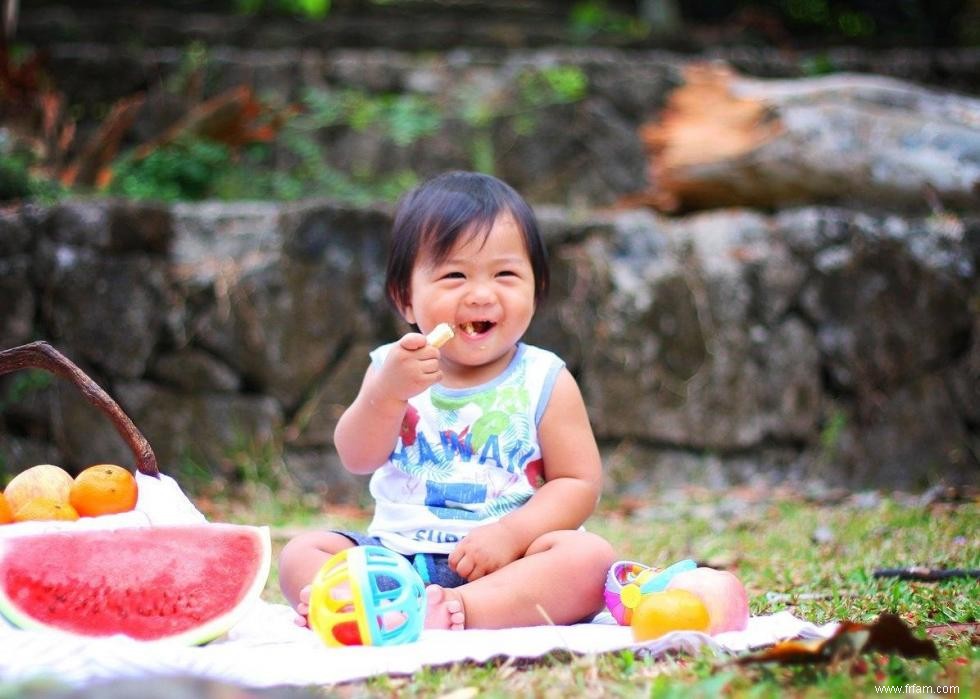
813,343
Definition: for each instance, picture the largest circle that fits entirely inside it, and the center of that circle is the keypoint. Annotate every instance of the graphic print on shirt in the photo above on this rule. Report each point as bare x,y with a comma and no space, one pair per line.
496,434
444,499
409,423
463,457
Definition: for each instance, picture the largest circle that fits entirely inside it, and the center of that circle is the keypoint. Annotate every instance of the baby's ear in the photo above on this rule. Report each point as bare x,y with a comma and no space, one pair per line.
408,314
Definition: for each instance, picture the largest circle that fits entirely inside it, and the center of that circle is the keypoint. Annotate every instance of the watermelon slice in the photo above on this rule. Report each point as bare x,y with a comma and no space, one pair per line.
187,584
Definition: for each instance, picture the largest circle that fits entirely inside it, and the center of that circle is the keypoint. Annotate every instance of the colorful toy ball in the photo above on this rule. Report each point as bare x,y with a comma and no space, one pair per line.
627,582
367,595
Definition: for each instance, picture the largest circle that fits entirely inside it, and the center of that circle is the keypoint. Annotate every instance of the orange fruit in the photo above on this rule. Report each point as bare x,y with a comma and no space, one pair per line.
6,516
103,489
671,610
43,481
44,509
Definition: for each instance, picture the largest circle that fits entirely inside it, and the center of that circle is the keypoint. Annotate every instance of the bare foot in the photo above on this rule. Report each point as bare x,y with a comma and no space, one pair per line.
444,609
302,608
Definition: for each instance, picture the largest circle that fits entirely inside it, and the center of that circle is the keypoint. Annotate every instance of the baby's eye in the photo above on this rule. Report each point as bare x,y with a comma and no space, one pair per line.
453,275
506,273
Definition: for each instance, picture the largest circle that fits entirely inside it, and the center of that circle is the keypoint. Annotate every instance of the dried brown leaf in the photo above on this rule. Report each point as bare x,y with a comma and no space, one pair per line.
888,634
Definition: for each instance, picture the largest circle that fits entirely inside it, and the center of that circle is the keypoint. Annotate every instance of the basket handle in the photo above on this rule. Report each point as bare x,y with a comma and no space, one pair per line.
41,355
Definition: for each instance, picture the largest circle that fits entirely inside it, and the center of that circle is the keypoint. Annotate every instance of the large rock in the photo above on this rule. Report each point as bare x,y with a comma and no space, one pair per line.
20,453
681,357
282,314
19,302
890,298
547,162
107,307
112,225
191,369
15,233
320,472
18,308
911,438
312,426
815,343
208,431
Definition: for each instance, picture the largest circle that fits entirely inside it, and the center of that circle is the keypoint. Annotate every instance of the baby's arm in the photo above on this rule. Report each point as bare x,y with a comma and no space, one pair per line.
573,480
367,431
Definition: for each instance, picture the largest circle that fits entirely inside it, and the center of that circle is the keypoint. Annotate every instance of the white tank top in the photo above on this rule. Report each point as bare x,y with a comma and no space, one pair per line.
465,456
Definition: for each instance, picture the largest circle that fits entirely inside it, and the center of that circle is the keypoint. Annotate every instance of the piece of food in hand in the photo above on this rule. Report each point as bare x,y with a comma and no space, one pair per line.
440,335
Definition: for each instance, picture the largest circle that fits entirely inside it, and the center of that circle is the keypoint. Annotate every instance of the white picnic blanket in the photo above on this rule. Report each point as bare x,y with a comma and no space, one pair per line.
266,648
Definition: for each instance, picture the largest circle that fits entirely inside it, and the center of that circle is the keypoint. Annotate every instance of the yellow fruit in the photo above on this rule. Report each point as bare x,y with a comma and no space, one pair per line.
44,481
103,489
6,516
671,610
38,509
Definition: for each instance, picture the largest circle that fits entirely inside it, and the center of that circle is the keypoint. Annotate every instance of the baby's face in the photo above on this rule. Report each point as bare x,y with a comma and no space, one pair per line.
485,289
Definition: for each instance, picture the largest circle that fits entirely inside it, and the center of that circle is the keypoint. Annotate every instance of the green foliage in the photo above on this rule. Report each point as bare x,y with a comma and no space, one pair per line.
15,181
830,17
590,18
482,153
782,567
832,432
402,118
552,85
20,387
24,384
312,175
193,474
314,9
193,61
296,165
409,118
405,119
183,170
819,64
18,180
251,472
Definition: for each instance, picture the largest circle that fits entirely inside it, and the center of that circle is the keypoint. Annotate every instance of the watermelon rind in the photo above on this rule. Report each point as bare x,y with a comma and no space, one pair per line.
204,632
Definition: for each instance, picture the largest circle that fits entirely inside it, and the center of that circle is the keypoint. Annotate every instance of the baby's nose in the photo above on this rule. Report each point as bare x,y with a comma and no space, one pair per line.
479,294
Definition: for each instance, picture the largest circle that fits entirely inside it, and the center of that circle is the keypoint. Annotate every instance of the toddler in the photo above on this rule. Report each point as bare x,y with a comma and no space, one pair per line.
483,459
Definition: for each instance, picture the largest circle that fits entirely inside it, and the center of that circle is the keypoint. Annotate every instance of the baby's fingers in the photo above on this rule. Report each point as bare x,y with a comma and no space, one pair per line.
430,366
412,341
464,567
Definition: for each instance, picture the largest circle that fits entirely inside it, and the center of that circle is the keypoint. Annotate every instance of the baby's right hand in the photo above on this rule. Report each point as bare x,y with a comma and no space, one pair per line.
412,365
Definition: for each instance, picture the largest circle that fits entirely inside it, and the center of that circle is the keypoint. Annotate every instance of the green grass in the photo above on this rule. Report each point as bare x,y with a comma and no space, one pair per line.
813,559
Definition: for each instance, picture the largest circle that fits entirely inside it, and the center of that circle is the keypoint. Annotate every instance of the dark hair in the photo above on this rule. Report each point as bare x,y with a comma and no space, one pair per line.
437,213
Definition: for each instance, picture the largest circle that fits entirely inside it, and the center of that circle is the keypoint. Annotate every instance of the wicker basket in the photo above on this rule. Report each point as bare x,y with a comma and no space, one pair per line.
41,355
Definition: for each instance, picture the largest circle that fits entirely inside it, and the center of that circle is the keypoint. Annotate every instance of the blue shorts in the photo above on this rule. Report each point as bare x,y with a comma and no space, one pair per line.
432,567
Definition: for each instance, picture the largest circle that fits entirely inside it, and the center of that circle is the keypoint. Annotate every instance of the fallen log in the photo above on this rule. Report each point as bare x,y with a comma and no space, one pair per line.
728,140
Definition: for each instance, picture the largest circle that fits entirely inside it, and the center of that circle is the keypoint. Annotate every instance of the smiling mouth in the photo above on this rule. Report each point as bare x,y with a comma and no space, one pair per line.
475,327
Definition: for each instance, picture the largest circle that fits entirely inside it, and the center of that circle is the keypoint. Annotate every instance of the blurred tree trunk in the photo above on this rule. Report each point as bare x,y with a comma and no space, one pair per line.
728,140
